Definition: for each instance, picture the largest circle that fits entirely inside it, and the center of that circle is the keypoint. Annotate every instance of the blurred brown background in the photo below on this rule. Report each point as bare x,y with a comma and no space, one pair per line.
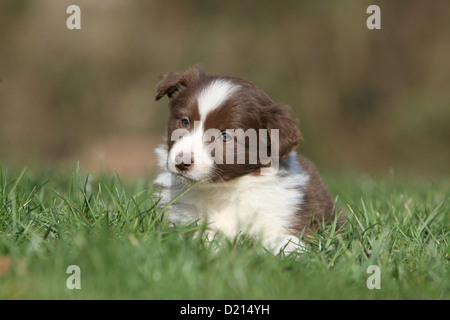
372,101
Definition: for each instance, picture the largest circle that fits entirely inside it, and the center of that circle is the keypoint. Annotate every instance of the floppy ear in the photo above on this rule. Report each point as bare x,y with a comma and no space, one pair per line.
174,82
289,137
169,84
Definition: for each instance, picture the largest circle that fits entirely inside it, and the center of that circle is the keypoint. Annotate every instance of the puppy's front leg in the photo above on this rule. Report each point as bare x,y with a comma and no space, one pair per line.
286,244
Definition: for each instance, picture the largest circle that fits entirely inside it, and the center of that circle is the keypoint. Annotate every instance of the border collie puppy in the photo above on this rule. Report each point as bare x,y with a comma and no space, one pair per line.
230,135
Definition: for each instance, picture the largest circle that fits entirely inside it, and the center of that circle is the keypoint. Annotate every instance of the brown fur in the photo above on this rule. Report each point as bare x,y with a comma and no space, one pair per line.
318,206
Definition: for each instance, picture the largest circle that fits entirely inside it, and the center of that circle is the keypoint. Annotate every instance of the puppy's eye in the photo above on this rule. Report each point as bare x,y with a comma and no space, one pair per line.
225,137
185,122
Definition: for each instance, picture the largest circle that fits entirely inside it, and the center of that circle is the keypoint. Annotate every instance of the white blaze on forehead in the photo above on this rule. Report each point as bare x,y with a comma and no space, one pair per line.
214,95
193,144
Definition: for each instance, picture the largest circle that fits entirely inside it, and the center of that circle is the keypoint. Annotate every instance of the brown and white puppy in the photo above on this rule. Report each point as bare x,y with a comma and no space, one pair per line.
228,133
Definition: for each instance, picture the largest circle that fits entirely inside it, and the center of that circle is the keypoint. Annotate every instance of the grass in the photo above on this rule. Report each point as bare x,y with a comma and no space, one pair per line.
112,230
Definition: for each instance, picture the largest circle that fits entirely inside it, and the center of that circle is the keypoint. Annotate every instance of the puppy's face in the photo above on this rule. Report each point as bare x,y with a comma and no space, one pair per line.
221,128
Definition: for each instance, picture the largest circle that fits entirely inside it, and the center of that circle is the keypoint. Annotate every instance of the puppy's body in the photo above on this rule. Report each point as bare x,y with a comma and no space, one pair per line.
272,203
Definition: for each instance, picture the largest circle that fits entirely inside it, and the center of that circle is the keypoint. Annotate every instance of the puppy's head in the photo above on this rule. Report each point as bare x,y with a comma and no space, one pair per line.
222,127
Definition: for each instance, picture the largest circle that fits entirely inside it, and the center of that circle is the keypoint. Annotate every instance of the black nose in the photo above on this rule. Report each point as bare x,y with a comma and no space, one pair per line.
183,162
183,166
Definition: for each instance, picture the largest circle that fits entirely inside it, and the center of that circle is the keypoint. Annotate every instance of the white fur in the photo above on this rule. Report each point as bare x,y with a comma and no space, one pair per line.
191,146
262,206
214,95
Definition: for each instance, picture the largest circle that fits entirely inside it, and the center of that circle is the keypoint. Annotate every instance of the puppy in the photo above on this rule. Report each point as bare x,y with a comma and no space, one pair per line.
228,134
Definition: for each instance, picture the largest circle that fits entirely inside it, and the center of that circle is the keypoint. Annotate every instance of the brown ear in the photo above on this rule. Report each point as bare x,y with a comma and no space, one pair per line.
169,84
174,82
289,137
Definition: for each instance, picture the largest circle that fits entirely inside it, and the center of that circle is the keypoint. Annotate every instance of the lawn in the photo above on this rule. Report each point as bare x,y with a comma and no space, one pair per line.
112,230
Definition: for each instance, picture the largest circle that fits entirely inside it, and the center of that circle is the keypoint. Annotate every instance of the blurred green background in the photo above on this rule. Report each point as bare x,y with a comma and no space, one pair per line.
375,101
